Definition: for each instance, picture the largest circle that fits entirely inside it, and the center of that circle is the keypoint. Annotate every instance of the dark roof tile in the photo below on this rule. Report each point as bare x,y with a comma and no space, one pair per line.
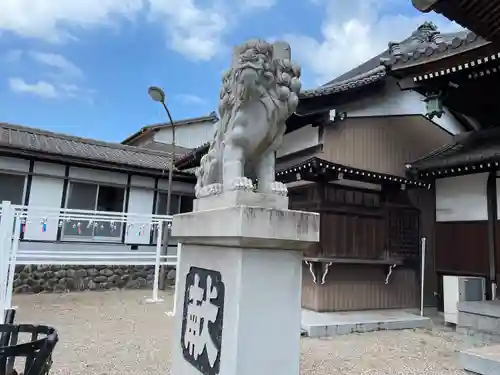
421,43
192,158
166,147
469,148
428,44
357,81
45,142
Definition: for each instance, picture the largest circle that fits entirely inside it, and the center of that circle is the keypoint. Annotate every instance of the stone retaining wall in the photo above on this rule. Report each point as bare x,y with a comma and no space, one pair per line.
50,278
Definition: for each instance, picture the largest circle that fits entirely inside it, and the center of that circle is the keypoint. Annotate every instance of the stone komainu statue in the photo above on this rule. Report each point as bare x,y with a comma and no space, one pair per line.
259,92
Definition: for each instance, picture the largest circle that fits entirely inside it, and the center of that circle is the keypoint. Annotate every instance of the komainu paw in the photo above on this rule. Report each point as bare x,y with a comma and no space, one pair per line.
215,189
242,183
212,189
279,188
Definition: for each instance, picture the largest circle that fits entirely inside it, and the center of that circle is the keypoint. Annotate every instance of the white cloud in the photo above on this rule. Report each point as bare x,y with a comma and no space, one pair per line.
193,30
49,20
190,99
60,63
58,81
354,31
263,4
40,88
50,90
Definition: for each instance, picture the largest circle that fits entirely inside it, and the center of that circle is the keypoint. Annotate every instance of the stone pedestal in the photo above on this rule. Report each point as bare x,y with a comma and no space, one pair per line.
238,300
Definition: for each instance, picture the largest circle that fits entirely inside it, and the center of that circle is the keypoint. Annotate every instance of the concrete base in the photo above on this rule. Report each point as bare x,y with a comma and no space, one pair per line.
342,323
479,318
240,198
483,361
248,227
239,281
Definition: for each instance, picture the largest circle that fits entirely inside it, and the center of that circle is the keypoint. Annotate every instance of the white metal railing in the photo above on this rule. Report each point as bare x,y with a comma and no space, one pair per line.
97,258
16,218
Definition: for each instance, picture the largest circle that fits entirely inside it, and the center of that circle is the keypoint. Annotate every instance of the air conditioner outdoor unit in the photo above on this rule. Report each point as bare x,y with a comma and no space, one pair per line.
459,289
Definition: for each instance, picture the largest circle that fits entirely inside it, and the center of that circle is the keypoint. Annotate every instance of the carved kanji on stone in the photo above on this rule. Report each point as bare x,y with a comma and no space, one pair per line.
201,335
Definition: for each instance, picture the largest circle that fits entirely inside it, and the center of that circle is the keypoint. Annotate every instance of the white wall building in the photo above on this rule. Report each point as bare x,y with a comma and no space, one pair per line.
189,134
44,169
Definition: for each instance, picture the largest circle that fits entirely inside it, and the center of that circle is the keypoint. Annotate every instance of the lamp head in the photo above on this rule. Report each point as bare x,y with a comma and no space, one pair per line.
157,94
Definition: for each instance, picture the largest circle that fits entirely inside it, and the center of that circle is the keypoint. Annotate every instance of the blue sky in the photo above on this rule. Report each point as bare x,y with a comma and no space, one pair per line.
83,66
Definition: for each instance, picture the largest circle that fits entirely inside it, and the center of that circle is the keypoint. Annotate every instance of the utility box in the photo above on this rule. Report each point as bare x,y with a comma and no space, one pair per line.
460,289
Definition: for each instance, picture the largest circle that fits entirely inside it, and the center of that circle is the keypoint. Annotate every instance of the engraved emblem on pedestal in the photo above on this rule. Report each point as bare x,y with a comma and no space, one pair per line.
202,320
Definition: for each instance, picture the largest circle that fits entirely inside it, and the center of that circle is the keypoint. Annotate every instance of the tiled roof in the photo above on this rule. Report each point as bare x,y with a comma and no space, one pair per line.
15,137
479,16
425,41
212,117
192,158
166,147
471,150
362,79
428,44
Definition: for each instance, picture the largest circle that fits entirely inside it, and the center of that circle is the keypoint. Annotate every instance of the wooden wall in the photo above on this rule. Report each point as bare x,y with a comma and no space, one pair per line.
381,144
370,224
361,287
462,247
349,236
462,250
359,226
361,223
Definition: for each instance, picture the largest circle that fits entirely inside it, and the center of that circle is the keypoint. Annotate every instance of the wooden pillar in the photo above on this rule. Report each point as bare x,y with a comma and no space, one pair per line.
491,199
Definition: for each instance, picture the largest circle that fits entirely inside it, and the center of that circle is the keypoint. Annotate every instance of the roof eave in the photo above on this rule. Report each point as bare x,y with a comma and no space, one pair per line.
356,82
192,159
318,166
399,66
479,17
424,5
442,170
146,129
136,136
65,159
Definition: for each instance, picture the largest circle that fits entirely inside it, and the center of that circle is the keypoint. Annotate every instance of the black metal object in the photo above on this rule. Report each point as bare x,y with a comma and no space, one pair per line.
33,355
492,209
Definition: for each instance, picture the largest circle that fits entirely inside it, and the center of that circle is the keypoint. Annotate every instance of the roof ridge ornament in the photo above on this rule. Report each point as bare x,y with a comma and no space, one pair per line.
424,32
427,26
395,49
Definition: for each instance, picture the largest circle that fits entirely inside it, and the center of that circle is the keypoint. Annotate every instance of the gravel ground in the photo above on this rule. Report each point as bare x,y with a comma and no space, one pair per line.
117,333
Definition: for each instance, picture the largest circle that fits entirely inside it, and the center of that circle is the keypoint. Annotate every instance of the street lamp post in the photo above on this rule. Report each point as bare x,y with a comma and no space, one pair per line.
158,95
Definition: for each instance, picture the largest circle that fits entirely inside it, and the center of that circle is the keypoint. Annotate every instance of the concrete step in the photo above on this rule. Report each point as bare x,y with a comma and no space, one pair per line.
482,361
343,323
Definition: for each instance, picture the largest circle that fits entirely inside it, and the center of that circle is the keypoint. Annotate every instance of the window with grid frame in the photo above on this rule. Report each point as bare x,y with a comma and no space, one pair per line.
94,197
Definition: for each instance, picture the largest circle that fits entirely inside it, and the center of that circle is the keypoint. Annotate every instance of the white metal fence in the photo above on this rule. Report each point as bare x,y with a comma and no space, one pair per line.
16,219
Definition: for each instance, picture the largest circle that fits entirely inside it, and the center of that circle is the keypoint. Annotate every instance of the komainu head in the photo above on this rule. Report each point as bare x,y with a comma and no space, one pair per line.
260,69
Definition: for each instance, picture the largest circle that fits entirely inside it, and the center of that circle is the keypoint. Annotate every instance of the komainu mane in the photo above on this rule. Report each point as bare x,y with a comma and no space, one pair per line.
259,92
